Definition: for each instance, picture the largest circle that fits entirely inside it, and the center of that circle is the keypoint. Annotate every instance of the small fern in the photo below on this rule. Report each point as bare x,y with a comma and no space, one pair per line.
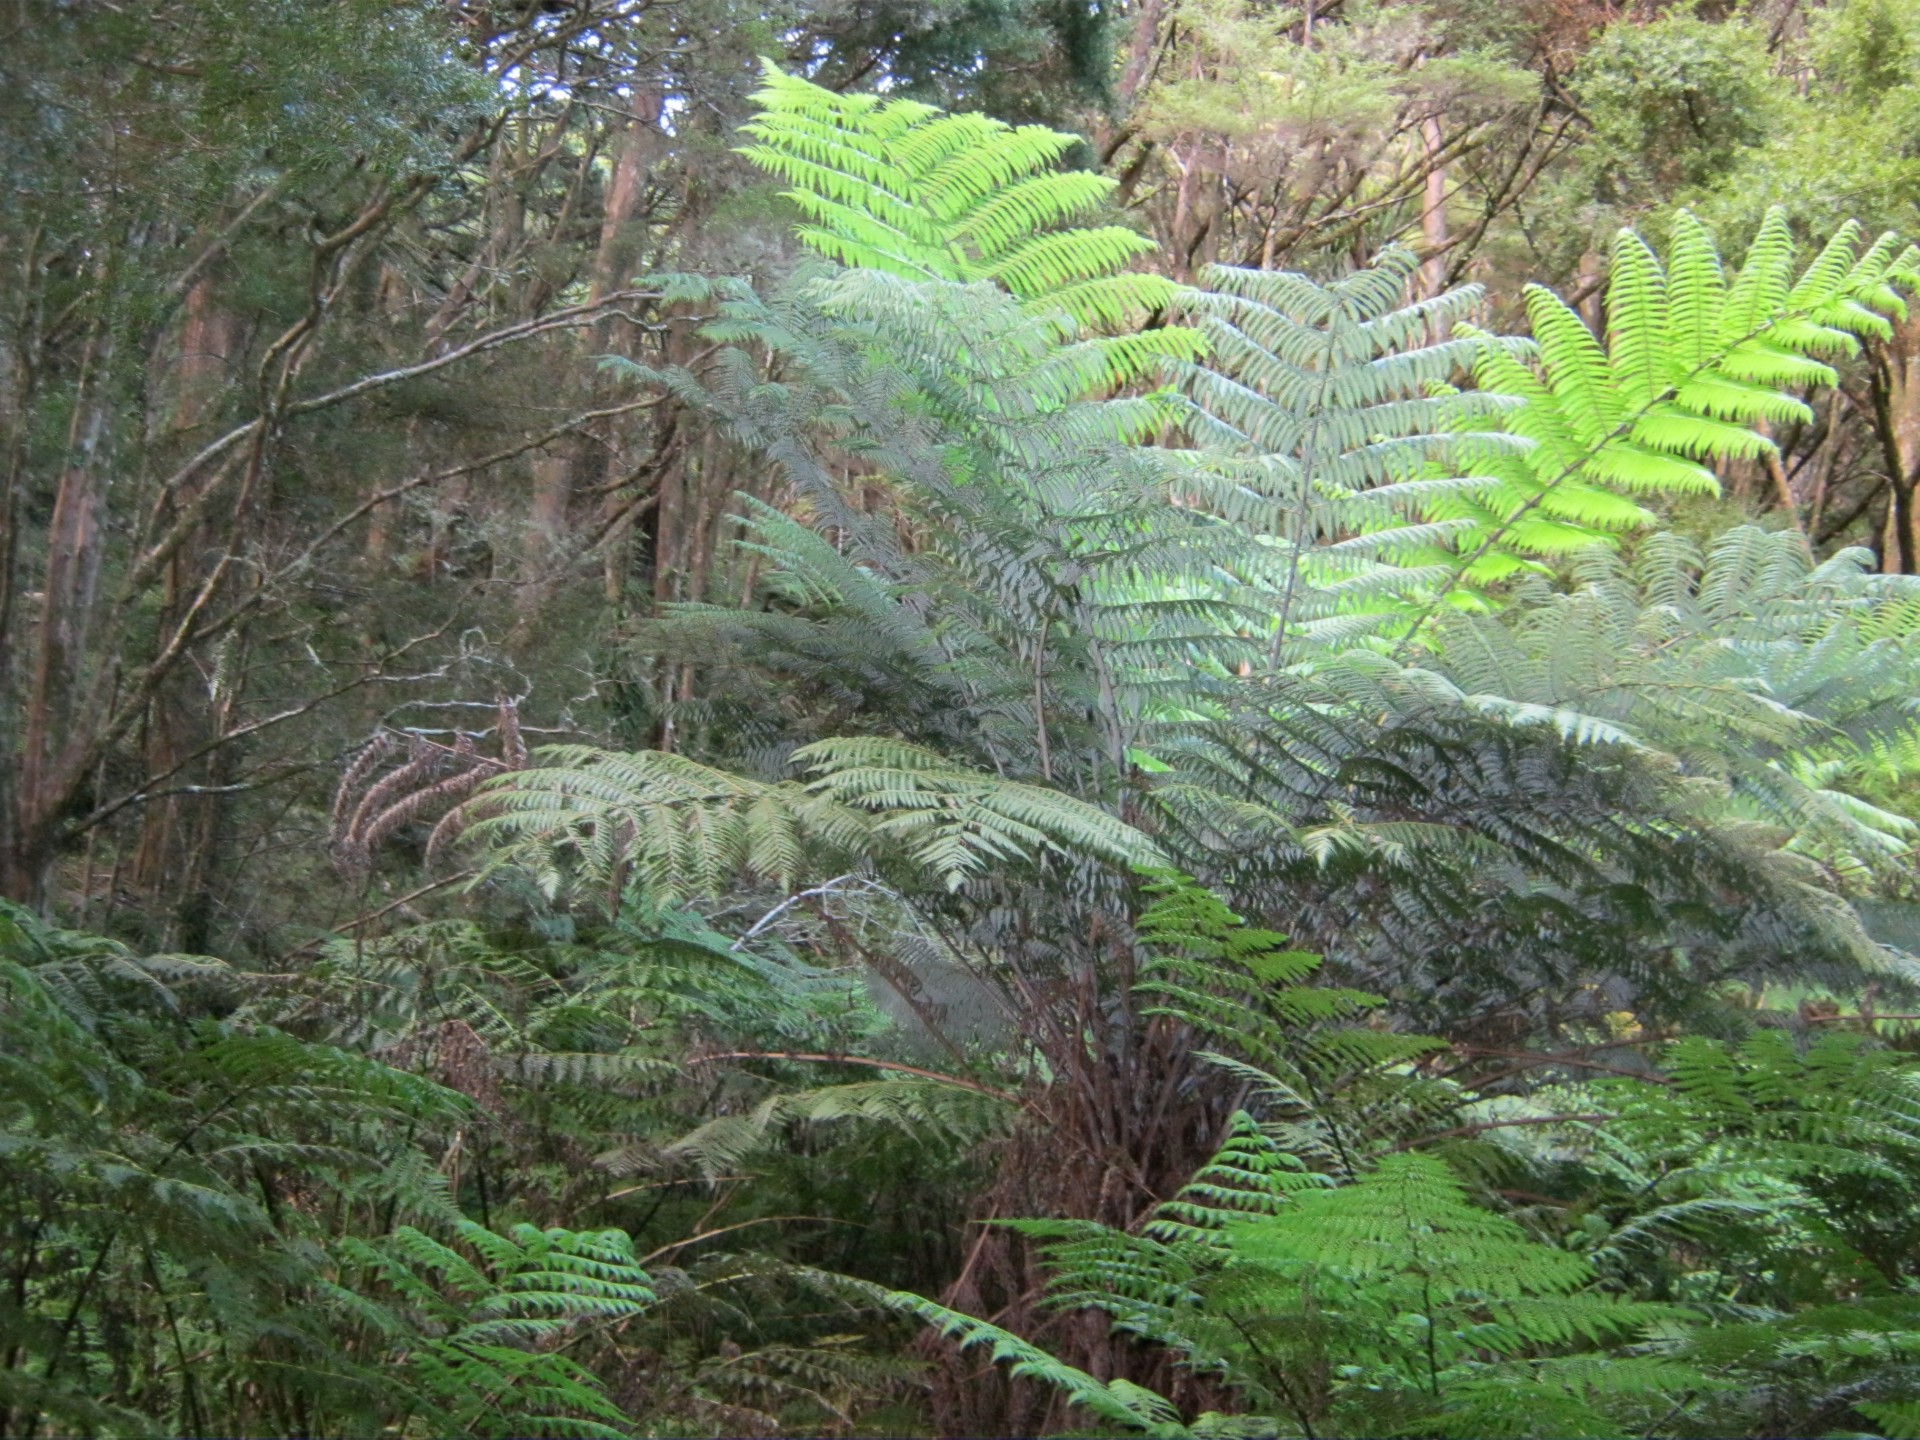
1312,1073
1389,1305
478,1324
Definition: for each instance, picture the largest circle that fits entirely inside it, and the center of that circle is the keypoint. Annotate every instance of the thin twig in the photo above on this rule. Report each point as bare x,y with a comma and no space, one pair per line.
924,1074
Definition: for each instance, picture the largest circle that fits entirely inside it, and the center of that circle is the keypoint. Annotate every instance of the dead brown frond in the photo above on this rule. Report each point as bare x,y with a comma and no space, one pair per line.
428,784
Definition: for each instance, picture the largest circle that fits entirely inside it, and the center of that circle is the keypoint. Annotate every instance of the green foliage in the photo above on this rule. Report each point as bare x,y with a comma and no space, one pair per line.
1854,1361
1338,1288
293,90
1320,1083
899,187
1116,1402
679,828
672,824
1768,1187
1868,48
1322,418
1040,513
1393,1304
175,1188
953,821
1033,58
1347,764
1434,1313
1831,147
136,1233
1695,362
1777,679
1444,844
1773,1144
478,1335
1674,104
1324,415
1350,608
1050,619
950,1110
1673,1257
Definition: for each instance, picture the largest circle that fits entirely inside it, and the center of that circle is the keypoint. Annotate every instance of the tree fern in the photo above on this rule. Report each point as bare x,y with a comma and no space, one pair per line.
1495,837
140,1151
1322,417
1401,1277
1389,1305
669,823
1750,1182
1768,1147
955,1109
900,187
1130,1407
954,821
676,827
1325,415
1694,361
196,1232
1775,681
1403,1302
1309,1071
1732,706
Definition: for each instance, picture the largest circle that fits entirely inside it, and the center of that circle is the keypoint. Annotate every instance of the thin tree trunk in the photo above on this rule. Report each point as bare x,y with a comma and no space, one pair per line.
1895,386
618,253
1433,212
169,865
1142,45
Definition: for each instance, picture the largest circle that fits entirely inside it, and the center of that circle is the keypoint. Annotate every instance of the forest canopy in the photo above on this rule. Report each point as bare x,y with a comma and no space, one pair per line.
1185,718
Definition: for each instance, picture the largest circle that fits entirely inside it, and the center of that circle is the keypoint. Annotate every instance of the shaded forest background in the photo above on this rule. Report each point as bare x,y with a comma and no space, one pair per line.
324,510
305,430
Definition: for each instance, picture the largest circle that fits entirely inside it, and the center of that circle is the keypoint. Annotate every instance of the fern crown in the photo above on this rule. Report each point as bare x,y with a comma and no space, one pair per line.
900,187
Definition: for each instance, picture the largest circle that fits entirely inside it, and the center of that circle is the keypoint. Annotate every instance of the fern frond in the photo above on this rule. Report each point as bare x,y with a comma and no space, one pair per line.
896,186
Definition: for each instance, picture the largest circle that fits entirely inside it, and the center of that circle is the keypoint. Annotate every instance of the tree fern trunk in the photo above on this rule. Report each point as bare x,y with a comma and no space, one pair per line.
1123,1125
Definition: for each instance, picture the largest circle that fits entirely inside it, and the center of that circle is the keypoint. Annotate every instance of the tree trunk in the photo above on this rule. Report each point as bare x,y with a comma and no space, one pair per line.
172,860
569,466
49,716
619,252
1895,382
1433,213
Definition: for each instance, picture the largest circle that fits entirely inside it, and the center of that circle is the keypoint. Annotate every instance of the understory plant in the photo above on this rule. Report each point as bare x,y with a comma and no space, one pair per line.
1722,1243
